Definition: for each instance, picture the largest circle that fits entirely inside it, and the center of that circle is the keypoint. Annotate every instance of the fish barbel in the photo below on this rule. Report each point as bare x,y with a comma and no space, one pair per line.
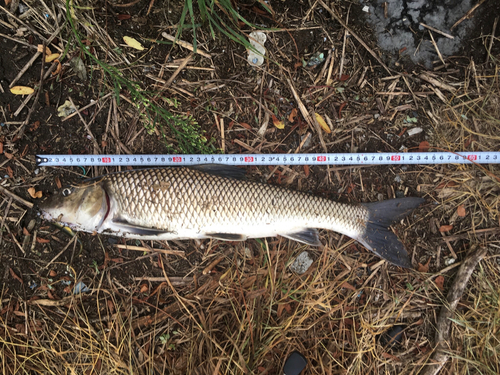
206,202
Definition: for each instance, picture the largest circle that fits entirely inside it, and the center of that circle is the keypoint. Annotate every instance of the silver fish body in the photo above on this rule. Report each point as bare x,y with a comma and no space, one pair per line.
184,203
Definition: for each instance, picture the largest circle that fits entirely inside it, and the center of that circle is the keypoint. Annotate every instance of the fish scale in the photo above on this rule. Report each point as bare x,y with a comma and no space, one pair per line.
189,198
202,202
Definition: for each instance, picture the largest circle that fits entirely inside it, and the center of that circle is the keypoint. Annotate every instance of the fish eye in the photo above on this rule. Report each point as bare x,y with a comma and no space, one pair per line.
66,192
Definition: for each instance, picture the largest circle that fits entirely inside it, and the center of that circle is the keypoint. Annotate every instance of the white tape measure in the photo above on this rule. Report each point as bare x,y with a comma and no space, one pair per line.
382,158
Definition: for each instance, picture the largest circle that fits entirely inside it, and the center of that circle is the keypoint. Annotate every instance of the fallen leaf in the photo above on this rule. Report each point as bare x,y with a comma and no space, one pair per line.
445,228
346,285
322,123
34,193
344,77
461,211
423,146
39,48
424,267
22,90
122,17
292,115
25,232
131,42
10,172
58,69
439,282
278,123
144,288
35,126
306,170
1,147
8,155
7,2
42,240
58,182
245,125
52,273
51,57
13,274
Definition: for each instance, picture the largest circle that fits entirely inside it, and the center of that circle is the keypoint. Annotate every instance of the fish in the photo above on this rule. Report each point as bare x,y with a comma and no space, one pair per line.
213,201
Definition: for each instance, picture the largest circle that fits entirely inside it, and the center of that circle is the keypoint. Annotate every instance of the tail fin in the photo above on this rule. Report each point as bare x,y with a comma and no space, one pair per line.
378,238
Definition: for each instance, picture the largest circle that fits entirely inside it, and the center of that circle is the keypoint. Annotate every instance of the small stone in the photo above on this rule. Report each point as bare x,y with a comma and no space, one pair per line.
301,263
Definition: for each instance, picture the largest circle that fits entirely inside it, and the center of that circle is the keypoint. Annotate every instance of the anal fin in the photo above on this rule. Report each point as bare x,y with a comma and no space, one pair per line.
309,236
227,236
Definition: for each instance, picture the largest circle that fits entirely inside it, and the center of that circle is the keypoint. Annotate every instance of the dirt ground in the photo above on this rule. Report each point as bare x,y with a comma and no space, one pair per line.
88,304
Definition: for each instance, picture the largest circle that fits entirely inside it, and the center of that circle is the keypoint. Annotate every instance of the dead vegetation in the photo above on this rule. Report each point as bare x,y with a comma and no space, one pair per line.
236,308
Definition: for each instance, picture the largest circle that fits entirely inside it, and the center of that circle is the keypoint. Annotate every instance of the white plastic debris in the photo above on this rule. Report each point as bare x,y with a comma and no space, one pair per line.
257,40
366,9
80,287
414,131
449,261
302,263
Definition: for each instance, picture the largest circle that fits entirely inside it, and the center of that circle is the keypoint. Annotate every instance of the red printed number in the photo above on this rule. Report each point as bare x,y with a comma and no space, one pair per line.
106,160
472,157
395,158
176,159
321,158
248,159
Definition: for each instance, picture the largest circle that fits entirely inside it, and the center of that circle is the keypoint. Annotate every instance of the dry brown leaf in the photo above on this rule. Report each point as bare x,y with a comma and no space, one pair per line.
424,267
8,155
278,123
13,274
322,123
42,240
25,232
52,273
424,146
34,193
58,69
58,182
22,90
445,228
10,172
439,282
39,48
461,211
144,288
306,170
245,125
1,147
293,115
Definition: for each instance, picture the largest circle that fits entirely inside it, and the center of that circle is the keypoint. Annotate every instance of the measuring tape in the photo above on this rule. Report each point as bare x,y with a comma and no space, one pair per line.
382,158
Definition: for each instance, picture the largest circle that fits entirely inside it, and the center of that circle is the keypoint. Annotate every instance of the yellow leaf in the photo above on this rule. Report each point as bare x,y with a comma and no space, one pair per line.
322,123
51,57
40,49
21,90
34,193
278,123
131,42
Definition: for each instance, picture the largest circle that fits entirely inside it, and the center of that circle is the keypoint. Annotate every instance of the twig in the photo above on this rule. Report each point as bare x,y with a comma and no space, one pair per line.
87,106
341,21
436,48
179,69
60,253
437,31
151,249
20,131
94,141
32,60
437,83
467,15
492,38
186,45
15,197
178,281
464,273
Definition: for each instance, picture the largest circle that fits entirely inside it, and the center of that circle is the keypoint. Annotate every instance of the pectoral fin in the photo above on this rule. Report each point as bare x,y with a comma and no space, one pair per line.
227,236
309,236
125,226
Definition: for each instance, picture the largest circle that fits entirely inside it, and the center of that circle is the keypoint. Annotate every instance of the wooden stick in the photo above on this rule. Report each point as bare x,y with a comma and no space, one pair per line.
15,197
437,31
186,45
447,312
467,15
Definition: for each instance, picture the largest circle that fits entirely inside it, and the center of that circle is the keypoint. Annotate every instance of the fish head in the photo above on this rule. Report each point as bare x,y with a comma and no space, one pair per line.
82,207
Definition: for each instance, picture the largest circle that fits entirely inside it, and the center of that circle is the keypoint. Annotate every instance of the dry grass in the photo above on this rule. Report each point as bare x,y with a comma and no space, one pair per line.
247,313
